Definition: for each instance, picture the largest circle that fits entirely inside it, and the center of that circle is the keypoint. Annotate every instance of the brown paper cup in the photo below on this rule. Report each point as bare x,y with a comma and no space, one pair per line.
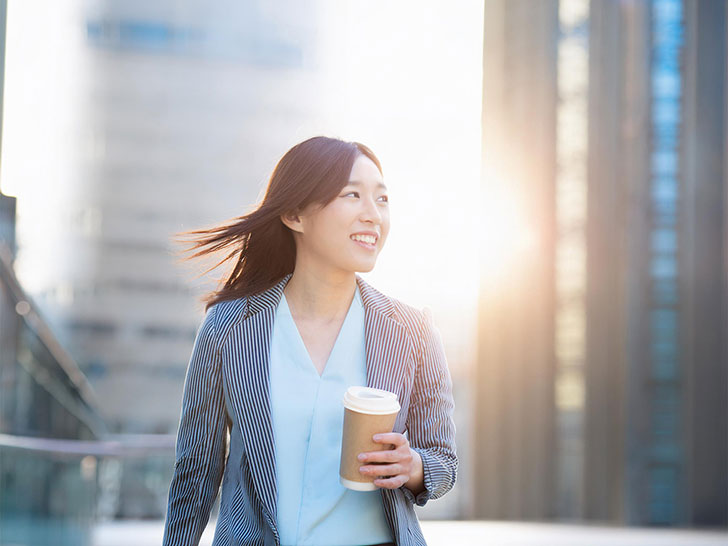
367,412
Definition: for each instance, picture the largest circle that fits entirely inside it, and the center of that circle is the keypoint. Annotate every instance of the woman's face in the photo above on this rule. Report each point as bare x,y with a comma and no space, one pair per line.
350,231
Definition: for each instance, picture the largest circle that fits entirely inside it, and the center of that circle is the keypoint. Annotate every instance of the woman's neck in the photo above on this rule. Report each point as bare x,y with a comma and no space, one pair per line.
321,298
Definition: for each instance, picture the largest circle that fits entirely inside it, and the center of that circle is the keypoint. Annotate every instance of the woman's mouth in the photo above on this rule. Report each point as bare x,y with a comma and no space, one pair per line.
365,241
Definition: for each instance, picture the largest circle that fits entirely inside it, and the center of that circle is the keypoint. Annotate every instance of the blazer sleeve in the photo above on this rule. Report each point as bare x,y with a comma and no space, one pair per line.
430,424
201,442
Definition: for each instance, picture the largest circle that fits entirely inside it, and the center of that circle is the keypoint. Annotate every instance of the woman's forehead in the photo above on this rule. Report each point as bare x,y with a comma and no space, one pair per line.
378,183
364,168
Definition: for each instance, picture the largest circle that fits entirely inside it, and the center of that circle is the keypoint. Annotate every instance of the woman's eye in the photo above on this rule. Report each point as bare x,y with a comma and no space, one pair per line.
385,198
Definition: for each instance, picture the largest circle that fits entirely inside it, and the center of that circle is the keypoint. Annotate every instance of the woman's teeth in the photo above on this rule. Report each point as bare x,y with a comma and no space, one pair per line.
364,238
370,239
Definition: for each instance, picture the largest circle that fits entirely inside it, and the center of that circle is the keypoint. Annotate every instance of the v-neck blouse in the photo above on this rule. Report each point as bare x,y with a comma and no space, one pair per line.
307,412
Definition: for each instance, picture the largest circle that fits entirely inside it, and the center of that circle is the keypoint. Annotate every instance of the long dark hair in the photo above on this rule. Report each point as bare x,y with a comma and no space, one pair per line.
260,246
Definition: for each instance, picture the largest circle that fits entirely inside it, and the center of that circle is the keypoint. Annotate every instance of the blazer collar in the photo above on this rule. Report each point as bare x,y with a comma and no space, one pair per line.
372,299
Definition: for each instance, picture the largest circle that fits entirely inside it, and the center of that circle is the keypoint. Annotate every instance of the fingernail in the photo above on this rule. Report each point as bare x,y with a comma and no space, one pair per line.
377,437
361,457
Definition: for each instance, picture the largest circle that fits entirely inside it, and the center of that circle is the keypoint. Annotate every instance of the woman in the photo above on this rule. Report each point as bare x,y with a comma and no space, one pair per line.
291,328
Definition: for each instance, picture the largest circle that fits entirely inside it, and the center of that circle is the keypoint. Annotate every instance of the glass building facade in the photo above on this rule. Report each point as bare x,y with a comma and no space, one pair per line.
626,132
663,449
60,470
47,494
570,286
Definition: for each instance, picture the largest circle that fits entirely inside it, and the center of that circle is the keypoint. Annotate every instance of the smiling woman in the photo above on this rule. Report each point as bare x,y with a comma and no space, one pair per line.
262,248
360,214
288,332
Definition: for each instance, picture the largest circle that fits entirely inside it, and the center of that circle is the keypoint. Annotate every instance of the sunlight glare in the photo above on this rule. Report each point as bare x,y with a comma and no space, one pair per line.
507,234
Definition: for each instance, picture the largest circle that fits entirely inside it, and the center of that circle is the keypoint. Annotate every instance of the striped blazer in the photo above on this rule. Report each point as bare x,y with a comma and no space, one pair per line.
227,391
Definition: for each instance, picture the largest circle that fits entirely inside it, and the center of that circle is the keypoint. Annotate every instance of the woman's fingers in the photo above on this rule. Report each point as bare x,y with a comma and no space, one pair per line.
389,456
383,470
400,451
392,483
396,462
389,476
390,438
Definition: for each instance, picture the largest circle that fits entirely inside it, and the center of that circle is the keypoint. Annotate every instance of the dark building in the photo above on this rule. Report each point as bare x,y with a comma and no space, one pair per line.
603,366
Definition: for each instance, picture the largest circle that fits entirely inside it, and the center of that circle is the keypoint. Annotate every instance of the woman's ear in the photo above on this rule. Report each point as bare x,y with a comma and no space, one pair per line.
293,221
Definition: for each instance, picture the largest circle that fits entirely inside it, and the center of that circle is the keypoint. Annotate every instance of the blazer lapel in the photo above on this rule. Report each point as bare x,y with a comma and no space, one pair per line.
254,373
388,355
389,349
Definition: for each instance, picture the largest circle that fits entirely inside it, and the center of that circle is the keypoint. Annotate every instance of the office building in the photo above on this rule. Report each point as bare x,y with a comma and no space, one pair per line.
603,373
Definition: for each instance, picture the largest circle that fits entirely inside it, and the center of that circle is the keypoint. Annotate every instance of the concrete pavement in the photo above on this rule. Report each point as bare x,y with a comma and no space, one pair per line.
466,533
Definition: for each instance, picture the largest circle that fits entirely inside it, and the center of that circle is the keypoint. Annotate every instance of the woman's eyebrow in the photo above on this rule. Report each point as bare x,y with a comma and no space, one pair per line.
358,183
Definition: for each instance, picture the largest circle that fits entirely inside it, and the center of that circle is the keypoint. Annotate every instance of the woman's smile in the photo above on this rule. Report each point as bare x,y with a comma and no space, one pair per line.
366,240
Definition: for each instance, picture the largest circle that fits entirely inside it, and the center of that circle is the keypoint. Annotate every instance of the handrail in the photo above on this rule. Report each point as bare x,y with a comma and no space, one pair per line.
35,322
121,446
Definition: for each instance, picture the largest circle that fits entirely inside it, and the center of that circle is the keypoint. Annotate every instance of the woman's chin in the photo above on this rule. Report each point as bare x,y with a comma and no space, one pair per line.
362,267
367,265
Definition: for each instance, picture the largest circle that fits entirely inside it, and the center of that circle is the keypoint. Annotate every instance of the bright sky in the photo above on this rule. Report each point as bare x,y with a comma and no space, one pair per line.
403,77
409,84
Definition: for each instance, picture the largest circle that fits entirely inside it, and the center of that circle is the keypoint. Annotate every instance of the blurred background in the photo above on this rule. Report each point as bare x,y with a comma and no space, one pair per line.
557,185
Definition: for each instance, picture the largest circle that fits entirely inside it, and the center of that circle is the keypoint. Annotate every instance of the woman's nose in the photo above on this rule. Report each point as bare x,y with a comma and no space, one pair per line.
370,212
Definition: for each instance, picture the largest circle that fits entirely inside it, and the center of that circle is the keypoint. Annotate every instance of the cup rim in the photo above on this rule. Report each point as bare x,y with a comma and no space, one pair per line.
382,403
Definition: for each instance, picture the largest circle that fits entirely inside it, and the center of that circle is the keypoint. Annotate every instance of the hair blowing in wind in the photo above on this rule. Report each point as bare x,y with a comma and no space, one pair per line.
258,247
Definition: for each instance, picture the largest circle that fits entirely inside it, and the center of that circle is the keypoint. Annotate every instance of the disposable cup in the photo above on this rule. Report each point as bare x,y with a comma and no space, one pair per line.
367,411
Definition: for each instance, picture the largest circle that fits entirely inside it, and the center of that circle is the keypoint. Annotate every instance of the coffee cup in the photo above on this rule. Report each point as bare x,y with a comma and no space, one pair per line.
367,411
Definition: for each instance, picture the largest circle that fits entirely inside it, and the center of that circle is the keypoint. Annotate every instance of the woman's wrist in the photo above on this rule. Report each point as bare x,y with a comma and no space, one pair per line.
416,482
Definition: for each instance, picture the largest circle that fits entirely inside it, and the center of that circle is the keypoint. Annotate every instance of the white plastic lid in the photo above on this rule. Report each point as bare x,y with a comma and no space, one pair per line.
370,400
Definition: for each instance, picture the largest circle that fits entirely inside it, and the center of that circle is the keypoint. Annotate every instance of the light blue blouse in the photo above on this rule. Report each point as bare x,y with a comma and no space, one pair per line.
313,507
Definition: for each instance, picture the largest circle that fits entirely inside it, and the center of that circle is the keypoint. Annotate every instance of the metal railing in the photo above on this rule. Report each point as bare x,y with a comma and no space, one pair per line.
54,491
